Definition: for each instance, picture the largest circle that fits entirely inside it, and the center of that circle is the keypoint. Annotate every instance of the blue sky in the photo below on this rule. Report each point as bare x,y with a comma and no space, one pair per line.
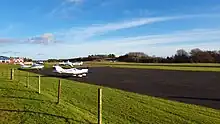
42,29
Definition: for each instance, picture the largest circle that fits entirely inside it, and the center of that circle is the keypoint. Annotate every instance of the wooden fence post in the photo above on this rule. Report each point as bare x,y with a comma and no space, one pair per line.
59,92
99,106
12,74
39,84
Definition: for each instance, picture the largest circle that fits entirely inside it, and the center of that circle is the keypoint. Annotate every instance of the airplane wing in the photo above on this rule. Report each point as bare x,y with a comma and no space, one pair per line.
37,66
25,66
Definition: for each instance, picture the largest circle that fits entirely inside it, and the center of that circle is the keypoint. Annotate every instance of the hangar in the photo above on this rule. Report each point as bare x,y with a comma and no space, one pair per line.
4,59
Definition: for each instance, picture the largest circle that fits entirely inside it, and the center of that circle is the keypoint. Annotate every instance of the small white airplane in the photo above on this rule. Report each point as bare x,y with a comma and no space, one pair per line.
25,66
70,63
33,66
66,63
37,66
77,63
40,62
71,71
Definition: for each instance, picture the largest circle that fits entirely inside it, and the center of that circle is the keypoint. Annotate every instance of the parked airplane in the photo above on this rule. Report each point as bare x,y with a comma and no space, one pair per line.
66,63
70,63
71,71
33,66
40,62
37,66
77,63
25,66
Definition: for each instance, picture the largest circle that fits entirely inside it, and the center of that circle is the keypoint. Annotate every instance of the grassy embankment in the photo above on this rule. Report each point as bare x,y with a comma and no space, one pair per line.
19,104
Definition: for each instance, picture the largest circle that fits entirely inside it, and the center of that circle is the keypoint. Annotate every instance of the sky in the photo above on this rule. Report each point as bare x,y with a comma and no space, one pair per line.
46,29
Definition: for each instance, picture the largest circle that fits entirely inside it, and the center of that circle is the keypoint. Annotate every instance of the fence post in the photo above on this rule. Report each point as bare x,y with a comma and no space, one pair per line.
59,92
28,80
39,84
99,106
12,74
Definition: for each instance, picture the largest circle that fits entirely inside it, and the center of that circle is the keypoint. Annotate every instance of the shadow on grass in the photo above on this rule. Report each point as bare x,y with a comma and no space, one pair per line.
194,98
2,88
25,98
47,114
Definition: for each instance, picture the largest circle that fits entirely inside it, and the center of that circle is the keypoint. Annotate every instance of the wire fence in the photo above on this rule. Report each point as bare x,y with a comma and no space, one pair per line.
51,86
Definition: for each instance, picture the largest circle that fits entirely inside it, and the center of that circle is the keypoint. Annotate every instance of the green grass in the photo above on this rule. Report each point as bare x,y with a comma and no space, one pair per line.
173,66
211,67
169,68
158,64
155,64
19,104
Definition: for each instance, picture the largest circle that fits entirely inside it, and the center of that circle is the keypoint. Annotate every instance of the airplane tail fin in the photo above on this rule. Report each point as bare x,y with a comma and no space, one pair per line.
58,69
21,63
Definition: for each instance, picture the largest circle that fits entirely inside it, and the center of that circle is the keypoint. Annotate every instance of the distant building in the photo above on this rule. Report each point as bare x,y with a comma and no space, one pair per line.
16,60
4,59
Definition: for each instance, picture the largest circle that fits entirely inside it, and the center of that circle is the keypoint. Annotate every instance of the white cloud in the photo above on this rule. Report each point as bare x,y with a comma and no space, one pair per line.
10,53
151,44
192,36
84,33
66,9
88,49
6,52
7,40
46,38
80,50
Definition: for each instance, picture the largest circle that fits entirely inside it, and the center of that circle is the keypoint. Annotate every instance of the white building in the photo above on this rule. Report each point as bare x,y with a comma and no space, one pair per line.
17,60
4,59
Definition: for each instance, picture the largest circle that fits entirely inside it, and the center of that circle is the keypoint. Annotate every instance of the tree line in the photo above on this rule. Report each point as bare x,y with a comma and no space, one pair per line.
96,57
181,56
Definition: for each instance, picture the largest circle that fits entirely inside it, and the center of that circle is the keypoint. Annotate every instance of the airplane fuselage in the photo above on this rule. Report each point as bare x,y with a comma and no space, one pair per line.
72,71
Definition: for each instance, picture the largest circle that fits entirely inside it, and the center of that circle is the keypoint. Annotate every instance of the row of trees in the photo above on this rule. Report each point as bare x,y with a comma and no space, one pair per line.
27,60
181,56
97,57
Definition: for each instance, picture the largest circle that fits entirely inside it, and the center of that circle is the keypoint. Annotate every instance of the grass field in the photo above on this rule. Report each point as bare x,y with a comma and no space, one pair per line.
173,66
149,64
169,68
155,64
19,104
